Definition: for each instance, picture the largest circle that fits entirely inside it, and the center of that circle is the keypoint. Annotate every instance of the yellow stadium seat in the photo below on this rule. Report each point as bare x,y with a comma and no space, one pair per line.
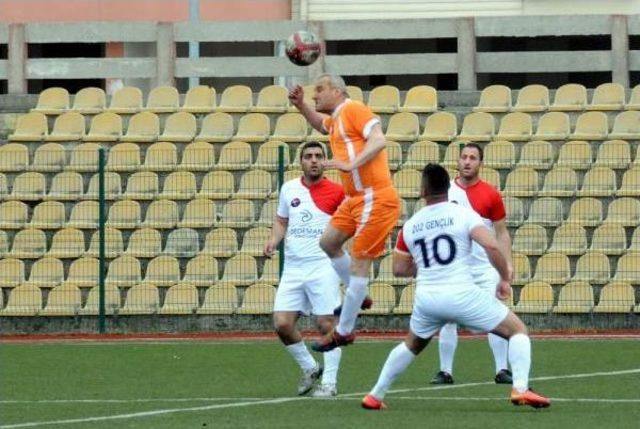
452,154
200,99
182,243
421,153
63,300
268,213
267,158
221,298
66,186
316,136
180,299
235,155
13,214
105,127
591,126
143,185
68,127
111,298
28,187
575,297
67,243
25,300
237,213
626,126
179,185
84,272
575,154
254,184
553,268
52,101
609,239
405,306
4,244
593,267
585,212
494,98
270,270
11,272
141,299
144,243
258,299
384,298
179,127
355,93
161,156
162,271
614,154
124,271
272,99
84,158
634,99
31,127
236,98
560,182
478,126
161,214
522,182
216,128
441,126
420,99
570,239
615,297
532,98
89,101
290,127
403,127
46,273
598,182
553,126
126,100
384,99
144,127
570,98
628,268
49,157
530,240
535,297
48,215
253,128
113,244
385,272
163,99
490,176
521,269
607,96
624,211
499,154
125,214
197,156
515,211
254,240
407,182
124,157
546,211
198,213
4,186
14,157
217,185
515,126
84,215
630,186
201,271
240,270
394,155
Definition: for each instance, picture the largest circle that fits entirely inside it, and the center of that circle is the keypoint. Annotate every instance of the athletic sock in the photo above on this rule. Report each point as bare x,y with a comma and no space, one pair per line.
500,348
397,362
520,360
342,266
331,365
355,294
301,355
447,344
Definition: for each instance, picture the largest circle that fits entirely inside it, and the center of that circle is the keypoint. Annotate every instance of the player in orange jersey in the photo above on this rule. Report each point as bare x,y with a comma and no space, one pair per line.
372,206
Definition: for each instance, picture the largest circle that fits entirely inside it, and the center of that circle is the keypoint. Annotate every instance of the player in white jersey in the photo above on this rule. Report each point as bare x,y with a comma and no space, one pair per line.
308,284
435,246
470,191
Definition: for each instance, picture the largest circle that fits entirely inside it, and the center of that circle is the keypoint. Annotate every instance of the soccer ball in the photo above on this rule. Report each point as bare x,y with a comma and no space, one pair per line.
303,48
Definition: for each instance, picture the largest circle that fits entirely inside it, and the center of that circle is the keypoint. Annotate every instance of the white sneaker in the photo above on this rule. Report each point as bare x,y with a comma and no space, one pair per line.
308,379
325,391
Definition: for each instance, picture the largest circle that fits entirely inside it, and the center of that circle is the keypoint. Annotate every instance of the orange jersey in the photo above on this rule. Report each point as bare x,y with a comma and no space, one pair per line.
348,128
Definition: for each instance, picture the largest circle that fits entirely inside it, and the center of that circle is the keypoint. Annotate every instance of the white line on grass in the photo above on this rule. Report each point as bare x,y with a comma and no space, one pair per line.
289,399
123,401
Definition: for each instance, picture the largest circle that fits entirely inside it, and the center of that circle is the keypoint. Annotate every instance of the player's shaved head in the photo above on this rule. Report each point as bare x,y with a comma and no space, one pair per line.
334,81
435,182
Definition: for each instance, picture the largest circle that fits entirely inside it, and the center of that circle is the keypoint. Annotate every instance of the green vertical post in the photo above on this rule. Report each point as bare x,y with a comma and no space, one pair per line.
101,221
280,183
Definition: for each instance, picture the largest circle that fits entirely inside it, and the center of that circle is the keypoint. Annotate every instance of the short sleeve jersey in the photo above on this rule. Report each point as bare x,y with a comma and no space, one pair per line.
308,210
438,237
349,127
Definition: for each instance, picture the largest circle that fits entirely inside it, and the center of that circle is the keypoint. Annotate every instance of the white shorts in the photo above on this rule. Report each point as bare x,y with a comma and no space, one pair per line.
471,307
310,290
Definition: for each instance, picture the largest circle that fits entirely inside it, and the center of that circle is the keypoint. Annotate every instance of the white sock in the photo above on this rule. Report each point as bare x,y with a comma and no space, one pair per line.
500,348
397,362
447,343
331,364
520,360
356,292
301,355
342,266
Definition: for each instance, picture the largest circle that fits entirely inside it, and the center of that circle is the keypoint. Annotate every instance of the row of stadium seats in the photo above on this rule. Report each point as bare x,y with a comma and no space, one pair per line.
222,298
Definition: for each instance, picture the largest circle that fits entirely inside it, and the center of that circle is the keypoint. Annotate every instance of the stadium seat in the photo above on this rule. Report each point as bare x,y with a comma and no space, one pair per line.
179,185
14,157
585,212
515,211
182,243
569,239
421,153
144,243
441,126
290,127
29,243
254,184
113,244
499,154
4,186
127,100
624,211
105,127
179,127
161,156
31,127
63,300
89,101
198,156
607,96
272,99
124,157
111,299
521,269
4,244
67,243
46,273
521,182
125,214
575,297
84,272
515,126
143,185
591,126
253,128
84,158
162,271
546,211
628,268
535,297
49,157
609,239
407,182
553,126
198,213
452,154
575,154
237,213
161,214
25,300
144,127
355,93
254,240
29,186
235,155
216,128
220,298
52,101
12,272
384,99
384,299
530,240
420,99
598,182
593,268
199,99
478,126
532,98
403,127
84,215
68,127
615,297
316,136
490,176
570,98
553,268
560,182
112,186
494,98
626,126
236,98
394,154
124,271
296,173
180,299
271,270
267,158
240,270
634,99
141,299
201,271
405,305
13,214
48,215
630,186
217,185
163,99
614,154
268,213
258,299
385,272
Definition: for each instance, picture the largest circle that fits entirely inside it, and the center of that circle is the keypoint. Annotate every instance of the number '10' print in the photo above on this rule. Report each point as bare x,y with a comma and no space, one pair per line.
435,248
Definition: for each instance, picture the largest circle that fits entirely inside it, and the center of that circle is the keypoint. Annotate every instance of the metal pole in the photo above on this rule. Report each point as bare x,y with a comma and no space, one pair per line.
194,46
280,183
101,235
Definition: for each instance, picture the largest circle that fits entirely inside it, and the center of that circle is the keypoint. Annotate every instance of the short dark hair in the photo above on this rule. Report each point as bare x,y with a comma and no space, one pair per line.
474,146
435,180
310,144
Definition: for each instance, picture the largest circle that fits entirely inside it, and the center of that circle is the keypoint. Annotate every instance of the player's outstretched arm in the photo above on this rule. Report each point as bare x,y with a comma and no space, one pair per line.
296,96
403,264
278,230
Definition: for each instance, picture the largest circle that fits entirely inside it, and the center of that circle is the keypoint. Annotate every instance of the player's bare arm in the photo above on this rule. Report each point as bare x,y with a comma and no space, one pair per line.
504,242
485,238
296,96
278,231
403,264
375,143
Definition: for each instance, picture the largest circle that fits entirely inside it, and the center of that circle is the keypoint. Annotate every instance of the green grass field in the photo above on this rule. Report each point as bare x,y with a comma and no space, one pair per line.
199,384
